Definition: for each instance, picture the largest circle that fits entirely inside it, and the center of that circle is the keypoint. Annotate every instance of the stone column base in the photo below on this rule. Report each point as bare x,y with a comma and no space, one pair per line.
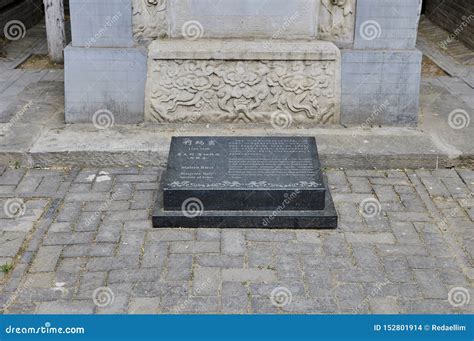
230,81
110,81
381,87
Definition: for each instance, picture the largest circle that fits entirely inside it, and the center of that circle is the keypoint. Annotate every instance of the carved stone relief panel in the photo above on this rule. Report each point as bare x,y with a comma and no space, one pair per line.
228,91
150,20
337,20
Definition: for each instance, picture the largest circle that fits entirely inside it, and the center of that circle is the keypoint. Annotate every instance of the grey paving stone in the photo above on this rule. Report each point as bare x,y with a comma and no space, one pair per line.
134,276
113,263
131,243
269,236
311,305
64,307
69,212
384,305
170,235
260,257
195,304
194,247
351,297
370,238
28,184
220,261
10,243
130,215
366,257
233,242
46,259
406,233
262,305
386,193
250,275
203,234
206,281
66,238
361,276
335,245
430,284
144,305
142,200
109,232
139,225
299,248
359,185
235,304
89,282
118,306
435,187
61,227
154,255
179,267
12,176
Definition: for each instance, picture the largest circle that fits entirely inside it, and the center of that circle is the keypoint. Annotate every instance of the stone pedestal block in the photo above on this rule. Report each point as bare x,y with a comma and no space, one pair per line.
105,80
233,81
380,87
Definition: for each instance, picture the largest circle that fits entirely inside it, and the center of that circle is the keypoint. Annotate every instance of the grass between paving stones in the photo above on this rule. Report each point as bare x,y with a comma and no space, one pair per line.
6,268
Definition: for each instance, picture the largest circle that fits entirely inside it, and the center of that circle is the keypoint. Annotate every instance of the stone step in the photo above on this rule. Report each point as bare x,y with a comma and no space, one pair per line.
84,145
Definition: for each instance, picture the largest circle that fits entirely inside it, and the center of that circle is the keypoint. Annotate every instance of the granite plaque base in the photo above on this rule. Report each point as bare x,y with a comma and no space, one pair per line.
240,182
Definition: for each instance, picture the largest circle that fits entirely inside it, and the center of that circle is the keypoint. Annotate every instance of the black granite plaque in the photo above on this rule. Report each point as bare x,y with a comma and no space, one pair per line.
266,182
243,173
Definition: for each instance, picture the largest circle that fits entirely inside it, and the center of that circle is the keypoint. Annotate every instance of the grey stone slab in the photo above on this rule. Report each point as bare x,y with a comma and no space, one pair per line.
287,177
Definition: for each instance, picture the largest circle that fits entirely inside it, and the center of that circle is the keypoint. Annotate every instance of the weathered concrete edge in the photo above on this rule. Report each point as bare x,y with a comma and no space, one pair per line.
79,145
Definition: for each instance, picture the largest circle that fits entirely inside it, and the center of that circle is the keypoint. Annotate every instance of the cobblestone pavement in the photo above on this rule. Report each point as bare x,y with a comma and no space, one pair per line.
80,241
